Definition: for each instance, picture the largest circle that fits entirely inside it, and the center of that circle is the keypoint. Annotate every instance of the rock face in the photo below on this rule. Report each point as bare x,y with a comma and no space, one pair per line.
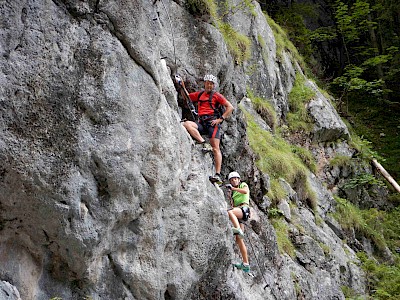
104,194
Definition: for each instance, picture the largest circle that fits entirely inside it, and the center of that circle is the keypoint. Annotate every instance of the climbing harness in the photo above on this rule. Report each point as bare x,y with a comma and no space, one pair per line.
218,109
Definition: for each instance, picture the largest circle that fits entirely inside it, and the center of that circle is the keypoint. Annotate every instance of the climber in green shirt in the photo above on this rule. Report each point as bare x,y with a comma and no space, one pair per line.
239,213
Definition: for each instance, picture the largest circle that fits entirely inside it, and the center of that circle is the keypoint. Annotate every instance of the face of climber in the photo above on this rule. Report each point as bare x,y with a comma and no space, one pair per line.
235,181
208,86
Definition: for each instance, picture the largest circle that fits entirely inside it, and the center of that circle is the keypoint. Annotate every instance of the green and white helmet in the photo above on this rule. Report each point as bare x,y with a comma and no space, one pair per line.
233,175
210,77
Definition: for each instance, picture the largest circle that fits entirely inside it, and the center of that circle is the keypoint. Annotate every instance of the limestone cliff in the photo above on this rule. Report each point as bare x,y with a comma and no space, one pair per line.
103,193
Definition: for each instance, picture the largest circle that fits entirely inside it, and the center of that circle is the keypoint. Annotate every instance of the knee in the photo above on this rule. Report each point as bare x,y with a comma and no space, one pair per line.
216,149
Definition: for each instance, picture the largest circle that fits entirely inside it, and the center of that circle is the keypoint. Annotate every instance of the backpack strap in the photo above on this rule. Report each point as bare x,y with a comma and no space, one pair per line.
209,101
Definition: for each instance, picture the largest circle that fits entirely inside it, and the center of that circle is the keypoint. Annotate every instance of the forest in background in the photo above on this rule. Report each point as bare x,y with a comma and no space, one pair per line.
352,48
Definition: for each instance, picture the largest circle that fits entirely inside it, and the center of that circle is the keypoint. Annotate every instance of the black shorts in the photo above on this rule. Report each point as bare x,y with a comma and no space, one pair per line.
205,127
246,213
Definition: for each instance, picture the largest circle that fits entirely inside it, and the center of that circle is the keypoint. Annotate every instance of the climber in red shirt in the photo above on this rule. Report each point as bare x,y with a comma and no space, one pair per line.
210,120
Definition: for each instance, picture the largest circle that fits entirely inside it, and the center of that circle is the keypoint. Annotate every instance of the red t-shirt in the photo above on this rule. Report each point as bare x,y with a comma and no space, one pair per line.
204,107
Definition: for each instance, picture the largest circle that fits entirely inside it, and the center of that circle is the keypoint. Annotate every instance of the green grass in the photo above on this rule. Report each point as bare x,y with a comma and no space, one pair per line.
238,44
351,217
298,117
279,159
282,236
264,108
340,161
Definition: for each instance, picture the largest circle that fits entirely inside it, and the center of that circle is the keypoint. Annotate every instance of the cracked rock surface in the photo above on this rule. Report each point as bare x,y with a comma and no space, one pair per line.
103,192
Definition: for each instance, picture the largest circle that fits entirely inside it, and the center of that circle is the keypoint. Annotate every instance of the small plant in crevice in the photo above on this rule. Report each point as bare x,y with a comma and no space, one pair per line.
274,212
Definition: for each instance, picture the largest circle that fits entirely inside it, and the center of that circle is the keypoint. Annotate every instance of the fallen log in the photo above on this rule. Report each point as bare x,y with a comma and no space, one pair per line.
386,175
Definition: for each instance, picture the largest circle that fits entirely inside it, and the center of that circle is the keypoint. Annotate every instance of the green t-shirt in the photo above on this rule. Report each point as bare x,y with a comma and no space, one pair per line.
239,198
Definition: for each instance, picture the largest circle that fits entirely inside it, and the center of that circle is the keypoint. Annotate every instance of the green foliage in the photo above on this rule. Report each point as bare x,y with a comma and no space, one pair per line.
352,80
366,60
389,224
364,221
264,108
350,294
383,280
364,148
282,237
322,34
300,95
364,179
276,191
348,215
292,19
274,212
352,21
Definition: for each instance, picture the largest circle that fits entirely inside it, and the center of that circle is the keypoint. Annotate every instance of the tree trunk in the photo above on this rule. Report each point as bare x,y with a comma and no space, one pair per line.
375,45
386,175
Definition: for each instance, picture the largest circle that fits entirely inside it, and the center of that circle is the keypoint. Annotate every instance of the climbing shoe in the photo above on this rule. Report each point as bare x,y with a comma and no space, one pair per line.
206,148
238,231
242,266
216,179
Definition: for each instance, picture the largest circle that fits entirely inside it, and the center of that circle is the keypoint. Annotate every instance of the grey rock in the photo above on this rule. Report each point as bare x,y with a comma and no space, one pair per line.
328,125
104,193
8,291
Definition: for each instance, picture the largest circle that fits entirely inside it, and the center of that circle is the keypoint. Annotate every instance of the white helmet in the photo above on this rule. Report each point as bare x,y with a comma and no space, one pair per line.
210,77
233,175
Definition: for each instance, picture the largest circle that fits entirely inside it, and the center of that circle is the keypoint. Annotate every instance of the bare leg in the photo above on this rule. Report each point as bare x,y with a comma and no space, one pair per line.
234,214
242,247
193,130
217,154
